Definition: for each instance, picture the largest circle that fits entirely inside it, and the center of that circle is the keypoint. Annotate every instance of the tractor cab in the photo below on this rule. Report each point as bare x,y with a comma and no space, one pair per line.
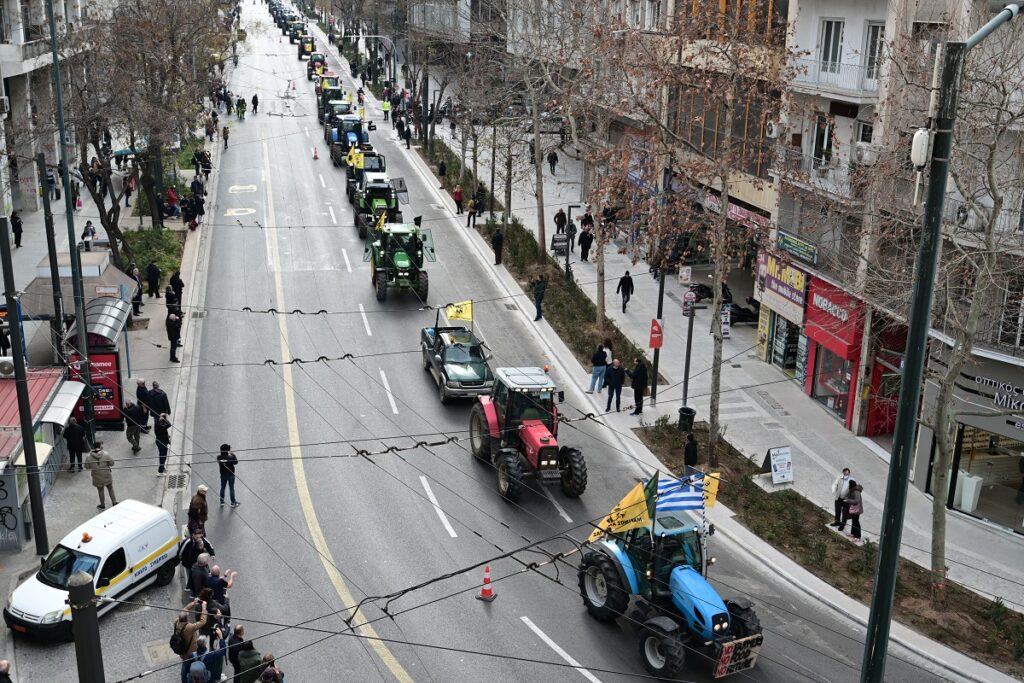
296,29
522,396
306,46
316,65
396,257
327,79
326,95
676,542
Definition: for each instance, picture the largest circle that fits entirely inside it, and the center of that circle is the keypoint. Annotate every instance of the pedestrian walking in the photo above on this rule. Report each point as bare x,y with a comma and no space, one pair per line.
133,419
255,104
385,106
552,161
137,294
840,490
497,242
457,196
560,221
162,433
5,671
207,169
153,279
625,288
586,240
442,173
199,207
142,397
235,642
539,287
196,186
178,285
690,455
598,365
158,401
224,132
173,325
99,463
638,375
211,129
408,136
198,510
400,127
570,230
189,550
74,436
471,213
614,378
51,184
128,186
88,235
854,508
16,227
227,461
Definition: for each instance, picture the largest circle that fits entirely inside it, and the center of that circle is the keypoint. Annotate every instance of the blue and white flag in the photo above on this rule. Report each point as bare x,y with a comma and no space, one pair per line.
674,494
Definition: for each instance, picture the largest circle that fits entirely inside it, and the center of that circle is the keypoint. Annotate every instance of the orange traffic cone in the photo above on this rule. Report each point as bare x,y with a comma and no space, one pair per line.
315,155
487,593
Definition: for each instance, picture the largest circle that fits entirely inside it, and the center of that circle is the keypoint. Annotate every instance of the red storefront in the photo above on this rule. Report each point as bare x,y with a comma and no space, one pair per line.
834,326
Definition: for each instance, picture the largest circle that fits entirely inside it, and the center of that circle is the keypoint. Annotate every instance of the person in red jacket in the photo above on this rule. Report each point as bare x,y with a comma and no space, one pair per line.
172,202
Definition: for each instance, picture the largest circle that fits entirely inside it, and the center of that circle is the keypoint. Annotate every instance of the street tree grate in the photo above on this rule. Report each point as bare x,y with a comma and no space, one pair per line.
176,481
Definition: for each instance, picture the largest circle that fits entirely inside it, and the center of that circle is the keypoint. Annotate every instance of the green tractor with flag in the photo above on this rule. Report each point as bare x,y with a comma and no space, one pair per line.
652,550
396,255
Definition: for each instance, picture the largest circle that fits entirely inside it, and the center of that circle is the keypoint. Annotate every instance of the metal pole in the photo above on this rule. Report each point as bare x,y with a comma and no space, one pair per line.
57,324
85,627
880,617
657,352
494,159
689,345
76,262
28,432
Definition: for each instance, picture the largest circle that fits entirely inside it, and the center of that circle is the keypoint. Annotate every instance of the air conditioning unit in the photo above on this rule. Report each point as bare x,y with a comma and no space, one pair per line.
6,367
772,129
5,106
865,154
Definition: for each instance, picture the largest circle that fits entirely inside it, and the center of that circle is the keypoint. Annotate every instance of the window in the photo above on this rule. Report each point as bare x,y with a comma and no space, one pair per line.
822,151
873,51
113,567
831,53
865,131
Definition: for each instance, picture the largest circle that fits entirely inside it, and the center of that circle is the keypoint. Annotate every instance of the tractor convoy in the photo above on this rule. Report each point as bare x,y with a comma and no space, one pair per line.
653,574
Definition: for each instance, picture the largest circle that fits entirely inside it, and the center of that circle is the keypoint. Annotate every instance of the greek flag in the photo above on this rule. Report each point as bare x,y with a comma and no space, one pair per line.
674,494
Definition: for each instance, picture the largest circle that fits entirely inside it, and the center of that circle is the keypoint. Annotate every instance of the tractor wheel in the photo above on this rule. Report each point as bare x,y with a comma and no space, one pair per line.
510,475
361,225
603,593
422,286
742,618
479,434
663,652
574,472
381,287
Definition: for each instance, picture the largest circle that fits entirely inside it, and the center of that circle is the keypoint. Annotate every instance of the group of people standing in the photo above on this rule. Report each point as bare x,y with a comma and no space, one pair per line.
607,371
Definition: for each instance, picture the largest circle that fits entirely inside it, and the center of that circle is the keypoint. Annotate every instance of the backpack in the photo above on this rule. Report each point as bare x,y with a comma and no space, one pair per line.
177,643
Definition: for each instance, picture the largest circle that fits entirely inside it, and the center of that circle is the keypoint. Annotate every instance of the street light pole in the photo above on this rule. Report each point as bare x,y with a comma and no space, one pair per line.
943,118
657,350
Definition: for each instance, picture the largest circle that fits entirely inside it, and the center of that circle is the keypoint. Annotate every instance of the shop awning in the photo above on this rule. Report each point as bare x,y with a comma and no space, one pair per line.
105,319
64,403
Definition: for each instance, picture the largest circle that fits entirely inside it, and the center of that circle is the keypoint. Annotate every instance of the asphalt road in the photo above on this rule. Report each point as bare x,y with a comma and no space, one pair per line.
318,526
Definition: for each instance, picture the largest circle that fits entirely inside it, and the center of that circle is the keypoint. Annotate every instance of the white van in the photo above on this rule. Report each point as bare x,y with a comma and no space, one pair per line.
124,548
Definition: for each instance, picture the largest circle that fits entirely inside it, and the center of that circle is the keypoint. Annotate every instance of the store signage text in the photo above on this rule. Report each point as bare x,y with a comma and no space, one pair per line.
805,251
830,307
786,281
1006,395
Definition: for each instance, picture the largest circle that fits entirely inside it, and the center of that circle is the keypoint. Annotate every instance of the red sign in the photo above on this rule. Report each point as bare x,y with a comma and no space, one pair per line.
105,388
656,334
835,319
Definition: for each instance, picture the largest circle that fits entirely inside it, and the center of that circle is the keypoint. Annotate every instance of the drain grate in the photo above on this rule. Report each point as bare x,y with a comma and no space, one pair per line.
511,307
176,481
198,314
736,365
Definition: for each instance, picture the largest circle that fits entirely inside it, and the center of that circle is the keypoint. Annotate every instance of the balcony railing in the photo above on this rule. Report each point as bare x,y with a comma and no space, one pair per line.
819,173
1008,223
836,77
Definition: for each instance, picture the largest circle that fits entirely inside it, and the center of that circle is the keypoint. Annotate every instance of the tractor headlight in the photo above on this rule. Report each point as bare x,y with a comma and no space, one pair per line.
403,273
52,617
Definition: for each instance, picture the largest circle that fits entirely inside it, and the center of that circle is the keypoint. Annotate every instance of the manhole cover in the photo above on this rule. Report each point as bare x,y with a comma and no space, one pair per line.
736,365
176,481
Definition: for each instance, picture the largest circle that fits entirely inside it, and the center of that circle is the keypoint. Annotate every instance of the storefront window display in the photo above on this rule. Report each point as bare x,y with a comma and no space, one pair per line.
988,477
834,326
832,376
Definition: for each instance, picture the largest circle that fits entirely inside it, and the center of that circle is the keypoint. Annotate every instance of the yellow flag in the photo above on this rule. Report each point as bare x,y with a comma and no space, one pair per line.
358,159
632,512
362,113
711,488
460,311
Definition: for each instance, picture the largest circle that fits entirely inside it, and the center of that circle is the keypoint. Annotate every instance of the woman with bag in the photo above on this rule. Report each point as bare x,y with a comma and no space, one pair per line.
855,506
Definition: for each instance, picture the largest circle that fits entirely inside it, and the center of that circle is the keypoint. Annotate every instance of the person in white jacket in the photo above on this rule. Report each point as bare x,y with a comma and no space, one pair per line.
840,489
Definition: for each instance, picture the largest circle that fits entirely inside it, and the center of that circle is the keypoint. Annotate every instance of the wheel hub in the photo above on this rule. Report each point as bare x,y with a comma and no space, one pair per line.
652,650
597,587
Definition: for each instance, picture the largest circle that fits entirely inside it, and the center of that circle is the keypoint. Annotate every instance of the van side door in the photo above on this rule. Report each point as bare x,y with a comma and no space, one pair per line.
114,578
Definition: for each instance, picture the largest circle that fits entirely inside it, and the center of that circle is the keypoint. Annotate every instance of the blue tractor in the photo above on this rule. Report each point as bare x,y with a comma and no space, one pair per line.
662,566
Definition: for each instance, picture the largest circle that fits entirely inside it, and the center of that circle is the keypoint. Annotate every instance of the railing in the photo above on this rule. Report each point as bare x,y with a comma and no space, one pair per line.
1003,331
835,76
1009,223
825,174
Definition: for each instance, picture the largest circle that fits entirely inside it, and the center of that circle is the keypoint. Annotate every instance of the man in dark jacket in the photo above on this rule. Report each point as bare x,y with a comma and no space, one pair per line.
189,551
586,240
178,285
74,435
690,454
560,222
159,403
153,279
539,287
639,376
625,288
142,396
173,325
234,646
162,432
137,295
226,461
497,242
614,378
134,416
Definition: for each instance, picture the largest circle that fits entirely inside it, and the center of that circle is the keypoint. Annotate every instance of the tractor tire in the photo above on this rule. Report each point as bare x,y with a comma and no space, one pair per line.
479,434
574,472
742,618
422,286
604,596
510,475
361,226
662,652
381,287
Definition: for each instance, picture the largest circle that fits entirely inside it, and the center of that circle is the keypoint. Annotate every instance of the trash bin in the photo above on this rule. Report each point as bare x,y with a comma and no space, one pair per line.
686,415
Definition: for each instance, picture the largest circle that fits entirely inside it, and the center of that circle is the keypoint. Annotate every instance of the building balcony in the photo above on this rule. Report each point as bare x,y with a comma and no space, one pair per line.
855,82
828,175
1009,224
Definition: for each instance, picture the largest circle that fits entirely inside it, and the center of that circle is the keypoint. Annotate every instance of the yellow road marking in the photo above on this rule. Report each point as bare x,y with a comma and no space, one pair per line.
298,468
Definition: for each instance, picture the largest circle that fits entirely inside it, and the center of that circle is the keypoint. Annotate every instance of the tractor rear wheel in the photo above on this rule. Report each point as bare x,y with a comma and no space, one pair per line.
381,286
361,225
510,475
422,286
742,618
574,472
663,652
479,434
603,593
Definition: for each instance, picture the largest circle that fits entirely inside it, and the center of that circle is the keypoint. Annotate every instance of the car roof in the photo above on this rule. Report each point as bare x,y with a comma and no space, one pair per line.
111,528
525,379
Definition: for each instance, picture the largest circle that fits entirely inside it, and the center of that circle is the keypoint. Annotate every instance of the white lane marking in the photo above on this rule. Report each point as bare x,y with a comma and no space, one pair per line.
387,388
348,266
306,131
558,506
559,651
437,508
322,183
335,221
366,321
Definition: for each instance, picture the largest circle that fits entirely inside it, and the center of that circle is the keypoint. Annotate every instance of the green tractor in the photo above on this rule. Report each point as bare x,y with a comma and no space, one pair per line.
396,257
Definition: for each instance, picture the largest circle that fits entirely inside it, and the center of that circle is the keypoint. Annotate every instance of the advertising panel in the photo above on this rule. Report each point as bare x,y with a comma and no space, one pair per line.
106,392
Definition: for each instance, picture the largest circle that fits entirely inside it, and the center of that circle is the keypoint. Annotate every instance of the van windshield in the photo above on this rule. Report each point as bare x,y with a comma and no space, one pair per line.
63,563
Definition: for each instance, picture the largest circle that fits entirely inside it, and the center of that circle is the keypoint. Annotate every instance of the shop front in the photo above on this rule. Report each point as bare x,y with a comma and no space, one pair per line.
833,326
782,290
986,477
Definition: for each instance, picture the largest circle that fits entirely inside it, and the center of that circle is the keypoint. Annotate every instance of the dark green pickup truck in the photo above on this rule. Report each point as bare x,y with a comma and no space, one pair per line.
457,361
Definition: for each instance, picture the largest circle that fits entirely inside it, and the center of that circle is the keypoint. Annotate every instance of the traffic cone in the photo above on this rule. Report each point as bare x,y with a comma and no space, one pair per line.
315,154
487,593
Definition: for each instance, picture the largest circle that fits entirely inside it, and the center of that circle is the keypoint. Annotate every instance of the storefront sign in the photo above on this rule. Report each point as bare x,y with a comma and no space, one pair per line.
1005,394
805,251
738,213
785,289
764,320
831,307
834,319
779,461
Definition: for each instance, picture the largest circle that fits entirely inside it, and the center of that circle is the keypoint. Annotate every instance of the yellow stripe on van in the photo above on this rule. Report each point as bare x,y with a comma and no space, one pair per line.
128,571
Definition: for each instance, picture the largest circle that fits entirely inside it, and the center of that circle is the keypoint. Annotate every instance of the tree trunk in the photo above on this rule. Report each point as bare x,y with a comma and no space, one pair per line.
601,239
507,213
476,159
538,168
463,151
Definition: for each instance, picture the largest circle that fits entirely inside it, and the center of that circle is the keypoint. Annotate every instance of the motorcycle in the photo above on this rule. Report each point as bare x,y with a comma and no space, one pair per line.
703,291
740,315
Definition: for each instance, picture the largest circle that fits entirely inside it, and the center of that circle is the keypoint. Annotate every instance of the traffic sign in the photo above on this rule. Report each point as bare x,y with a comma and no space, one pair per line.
657,335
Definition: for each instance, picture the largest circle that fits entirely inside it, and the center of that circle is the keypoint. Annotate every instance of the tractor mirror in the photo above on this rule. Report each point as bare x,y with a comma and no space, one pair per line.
488,356
561,397
417,221
711,561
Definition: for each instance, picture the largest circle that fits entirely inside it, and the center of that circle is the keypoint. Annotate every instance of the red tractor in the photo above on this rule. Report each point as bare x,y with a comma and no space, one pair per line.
515,429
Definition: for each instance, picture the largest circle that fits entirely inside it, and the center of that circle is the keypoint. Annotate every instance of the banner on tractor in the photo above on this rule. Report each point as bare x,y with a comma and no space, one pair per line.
460,311
634,511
